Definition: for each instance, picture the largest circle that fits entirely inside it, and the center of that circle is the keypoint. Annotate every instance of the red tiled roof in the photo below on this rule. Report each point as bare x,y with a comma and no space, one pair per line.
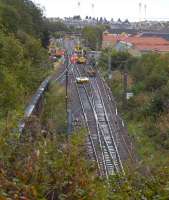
149,43
140,43
147,40
113,38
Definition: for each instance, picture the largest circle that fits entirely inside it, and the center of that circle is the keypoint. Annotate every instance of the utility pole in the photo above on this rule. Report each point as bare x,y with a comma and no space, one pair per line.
125,84
109,65
67,81
66,97
68,111
97,45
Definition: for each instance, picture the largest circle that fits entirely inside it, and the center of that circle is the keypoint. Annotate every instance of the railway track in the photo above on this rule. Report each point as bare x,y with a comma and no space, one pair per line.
122,139
101,143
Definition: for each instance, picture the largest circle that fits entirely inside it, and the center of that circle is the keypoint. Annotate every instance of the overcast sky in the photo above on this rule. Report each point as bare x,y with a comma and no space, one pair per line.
156,9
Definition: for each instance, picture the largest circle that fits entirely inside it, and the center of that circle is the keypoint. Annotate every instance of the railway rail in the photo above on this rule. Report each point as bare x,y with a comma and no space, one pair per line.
101,143
119,131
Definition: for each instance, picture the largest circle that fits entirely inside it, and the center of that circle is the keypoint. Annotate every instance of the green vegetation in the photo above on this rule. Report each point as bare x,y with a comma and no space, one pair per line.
151,89
118,60
23,60
57,29
151,185
148,109
46,164
19,15
48,168
53,166
54,117
93,36
147,119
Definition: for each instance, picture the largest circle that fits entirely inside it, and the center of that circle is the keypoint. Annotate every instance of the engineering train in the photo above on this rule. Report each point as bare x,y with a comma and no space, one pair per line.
82,80
81,55
59,52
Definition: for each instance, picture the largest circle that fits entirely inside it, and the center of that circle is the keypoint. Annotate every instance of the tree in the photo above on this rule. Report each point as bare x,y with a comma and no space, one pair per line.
22,56
10,93
9,18
119,21
119,59
101,20
93,36
77,17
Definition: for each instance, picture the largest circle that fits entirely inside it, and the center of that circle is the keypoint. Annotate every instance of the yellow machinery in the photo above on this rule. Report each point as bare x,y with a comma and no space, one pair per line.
82,80
78,49
81,60
91,72
81,57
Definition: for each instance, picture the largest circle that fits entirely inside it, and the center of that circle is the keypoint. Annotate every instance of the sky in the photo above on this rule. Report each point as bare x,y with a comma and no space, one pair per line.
156,9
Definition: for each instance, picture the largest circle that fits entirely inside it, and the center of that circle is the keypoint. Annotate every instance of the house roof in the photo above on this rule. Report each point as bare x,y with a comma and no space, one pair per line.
155,34
113,37
149,43
147,40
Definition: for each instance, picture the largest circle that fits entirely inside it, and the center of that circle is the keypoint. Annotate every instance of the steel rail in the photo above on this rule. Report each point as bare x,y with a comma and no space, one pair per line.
97,127
99,146
116,114
108,150
90,135
110,128
116,125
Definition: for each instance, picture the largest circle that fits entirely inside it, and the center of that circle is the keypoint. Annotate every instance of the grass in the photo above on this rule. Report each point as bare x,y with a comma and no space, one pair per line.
54,114
148,151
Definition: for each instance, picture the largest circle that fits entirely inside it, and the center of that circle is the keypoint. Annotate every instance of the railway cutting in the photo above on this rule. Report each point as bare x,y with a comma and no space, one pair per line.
93,106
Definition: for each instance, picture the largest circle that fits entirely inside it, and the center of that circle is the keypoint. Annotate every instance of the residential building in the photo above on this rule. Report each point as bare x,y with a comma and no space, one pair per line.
135,44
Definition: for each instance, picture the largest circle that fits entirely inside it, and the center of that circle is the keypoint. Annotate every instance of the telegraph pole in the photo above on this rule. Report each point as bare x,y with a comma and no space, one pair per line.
67,80
66,98
125,84
109,65
68,111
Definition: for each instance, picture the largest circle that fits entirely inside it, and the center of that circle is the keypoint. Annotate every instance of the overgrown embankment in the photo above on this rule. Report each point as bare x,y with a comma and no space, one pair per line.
48,164
45,164
23,60
147,112
54,113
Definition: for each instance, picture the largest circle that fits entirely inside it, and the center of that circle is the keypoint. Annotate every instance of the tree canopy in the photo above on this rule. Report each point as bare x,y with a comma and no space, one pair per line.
23,60
93,36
